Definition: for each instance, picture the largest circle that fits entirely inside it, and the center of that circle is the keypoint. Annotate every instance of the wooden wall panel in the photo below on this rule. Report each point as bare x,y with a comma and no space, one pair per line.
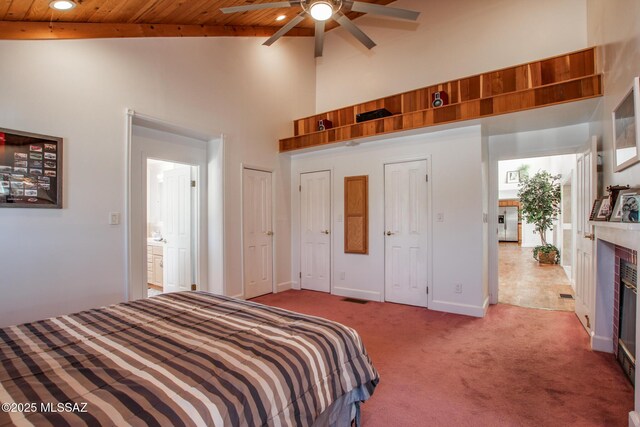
356,214
569,77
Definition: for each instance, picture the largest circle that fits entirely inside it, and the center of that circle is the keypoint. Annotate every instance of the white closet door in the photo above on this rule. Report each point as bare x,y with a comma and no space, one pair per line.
405,192
257,233
315,216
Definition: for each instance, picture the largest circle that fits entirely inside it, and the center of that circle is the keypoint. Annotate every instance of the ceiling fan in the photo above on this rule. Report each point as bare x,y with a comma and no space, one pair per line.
323,10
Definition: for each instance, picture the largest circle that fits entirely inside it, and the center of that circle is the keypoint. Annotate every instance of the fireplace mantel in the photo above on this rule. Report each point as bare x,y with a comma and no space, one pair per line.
619,233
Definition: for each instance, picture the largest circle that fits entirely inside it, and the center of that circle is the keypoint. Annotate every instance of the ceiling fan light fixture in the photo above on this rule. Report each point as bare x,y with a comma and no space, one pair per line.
321,10
62,5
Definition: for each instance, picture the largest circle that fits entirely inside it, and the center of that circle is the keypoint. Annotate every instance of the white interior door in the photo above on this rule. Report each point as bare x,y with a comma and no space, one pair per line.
176,224
406,220
586,189
315,220
257,233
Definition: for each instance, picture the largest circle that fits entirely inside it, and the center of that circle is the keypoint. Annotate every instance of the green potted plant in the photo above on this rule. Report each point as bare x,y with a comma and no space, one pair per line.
540,197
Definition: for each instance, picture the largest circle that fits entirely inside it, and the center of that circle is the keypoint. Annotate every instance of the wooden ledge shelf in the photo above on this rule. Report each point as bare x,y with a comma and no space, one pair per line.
552,81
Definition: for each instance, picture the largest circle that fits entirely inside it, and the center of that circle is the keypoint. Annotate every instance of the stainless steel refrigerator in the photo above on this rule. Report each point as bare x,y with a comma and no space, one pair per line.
508,224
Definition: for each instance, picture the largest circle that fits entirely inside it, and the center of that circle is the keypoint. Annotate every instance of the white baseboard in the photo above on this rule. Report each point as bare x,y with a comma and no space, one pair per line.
634,419
604,344
357,293
238,296
455,308
295,285
284,286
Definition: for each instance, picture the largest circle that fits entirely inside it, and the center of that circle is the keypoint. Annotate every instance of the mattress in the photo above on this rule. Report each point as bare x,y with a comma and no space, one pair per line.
181,359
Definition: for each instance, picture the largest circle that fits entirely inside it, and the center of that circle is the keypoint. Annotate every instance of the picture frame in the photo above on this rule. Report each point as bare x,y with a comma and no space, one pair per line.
630,208
625,124
30,170
594,209
603,210
616,213
513,177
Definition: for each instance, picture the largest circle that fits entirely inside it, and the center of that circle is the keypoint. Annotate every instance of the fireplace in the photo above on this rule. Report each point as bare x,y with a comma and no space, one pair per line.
627,279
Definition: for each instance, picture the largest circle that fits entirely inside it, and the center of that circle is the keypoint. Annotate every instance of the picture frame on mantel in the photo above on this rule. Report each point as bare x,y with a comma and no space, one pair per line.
625,123
30,170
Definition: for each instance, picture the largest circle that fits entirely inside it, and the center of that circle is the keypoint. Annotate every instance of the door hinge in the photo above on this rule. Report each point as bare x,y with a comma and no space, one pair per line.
299,187
427,290
300,275
193,184
193,287
427,177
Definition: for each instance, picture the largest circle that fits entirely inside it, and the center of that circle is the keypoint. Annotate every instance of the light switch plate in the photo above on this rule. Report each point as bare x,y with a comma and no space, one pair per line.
114,218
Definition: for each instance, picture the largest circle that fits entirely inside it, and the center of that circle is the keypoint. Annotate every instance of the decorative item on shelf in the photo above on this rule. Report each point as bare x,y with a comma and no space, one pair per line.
372,115
626,121
616,212
595,208
630,207
324,124
440,98
613,191
604,210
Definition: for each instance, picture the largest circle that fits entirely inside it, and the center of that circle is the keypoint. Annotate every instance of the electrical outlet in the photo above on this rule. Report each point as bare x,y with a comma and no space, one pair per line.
458,288
342,275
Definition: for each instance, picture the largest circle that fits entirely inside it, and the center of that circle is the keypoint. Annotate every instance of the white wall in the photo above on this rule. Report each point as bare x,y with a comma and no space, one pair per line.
555,165
452,39
613,26
456,191
60,261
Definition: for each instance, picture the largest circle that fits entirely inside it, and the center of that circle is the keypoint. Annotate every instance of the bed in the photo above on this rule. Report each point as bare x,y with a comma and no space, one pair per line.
183,359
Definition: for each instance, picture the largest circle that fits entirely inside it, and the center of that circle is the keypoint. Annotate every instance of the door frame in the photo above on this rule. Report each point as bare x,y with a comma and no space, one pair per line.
136,208
244,166
494,182
331,251
430,284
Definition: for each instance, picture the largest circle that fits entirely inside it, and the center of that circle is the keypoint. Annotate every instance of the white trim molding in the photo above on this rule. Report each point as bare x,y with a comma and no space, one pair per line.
464,309
634,419
357,293
284,286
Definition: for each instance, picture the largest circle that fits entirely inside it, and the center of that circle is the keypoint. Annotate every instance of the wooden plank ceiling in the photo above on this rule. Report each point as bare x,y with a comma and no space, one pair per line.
34,19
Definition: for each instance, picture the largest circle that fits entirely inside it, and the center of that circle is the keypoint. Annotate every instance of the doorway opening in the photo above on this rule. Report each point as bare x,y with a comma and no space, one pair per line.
171,227
522,280
185,247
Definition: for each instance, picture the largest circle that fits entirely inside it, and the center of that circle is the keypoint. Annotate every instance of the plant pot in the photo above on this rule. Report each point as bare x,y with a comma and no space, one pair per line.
547,258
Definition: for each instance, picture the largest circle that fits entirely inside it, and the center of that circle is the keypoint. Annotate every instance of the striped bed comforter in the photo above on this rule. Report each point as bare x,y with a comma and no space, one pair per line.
188,358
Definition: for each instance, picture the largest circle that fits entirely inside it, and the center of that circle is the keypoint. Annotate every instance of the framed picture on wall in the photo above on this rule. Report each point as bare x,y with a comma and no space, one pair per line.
30,170
626,142
513,177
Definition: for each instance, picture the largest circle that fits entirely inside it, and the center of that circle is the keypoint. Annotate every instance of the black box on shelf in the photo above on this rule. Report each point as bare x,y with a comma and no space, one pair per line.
372,115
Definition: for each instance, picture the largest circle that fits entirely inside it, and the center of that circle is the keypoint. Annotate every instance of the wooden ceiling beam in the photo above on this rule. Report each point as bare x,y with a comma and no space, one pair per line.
16,30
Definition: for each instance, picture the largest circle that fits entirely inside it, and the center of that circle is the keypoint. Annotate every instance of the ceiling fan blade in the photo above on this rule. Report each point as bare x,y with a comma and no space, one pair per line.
377,9
319,37
284,30
247,7
345,22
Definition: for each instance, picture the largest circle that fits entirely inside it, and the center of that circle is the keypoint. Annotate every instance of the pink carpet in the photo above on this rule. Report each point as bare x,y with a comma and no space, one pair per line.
516,367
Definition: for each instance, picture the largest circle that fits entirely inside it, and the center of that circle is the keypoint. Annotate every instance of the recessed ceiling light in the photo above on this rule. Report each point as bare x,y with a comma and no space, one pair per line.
281,17
62,4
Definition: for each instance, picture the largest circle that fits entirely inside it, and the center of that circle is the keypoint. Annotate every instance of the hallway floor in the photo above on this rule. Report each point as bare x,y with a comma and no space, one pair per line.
525,283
